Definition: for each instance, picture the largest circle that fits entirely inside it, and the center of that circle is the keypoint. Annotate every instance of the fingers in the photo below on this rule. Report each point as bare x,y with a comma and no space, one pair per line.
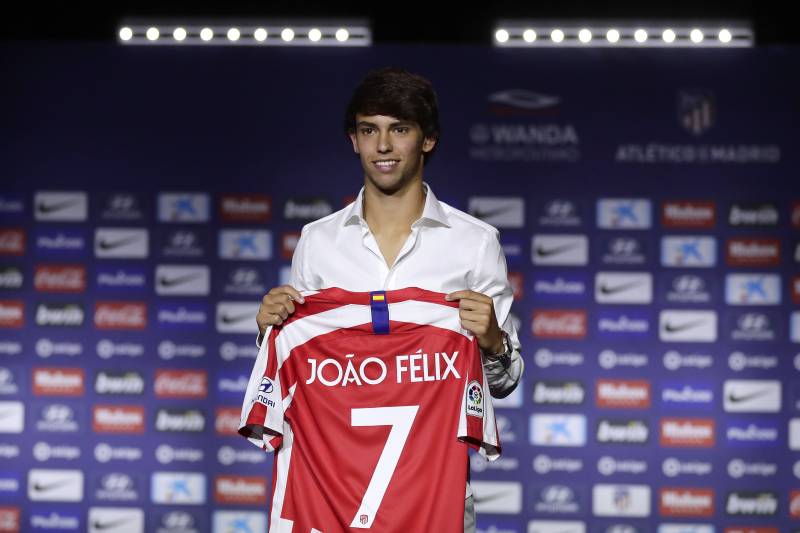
293,293
276,306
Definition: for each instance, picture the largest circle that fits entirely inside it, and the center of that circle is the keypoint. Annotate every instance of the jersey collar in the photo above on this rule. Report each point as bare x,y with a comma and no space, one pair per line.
433,214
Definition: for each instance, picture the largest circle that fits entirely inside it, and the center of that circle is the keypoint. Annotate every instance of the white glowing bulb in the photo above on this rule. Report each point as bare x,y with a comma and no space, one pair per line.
612,35
640,36
696,36
287,34
234,34
725,36
529,36
584,35
342,35
179,34
668,35
557,35
152,34
206,34
501,36
260,35
126,34
314,35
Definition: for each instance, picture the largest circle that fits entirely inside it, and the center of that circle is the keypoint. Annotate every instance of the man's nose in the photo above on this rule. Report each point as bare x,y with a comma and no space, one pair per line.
384,142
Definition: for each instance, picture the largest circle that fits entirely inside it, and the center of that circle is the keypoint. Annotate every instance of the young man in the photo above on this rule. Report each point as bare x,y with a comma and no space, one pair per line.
397,234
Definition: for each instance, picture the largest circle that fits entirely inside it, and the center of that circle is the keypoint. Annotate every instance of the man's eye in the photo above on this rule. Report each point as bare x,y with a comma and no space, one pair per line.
402,129
366,131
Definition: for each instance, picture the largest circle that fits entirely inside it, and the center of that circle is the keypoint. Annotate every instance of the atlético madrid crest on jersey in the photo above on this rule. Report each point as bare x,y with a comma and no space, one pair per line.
475,399
364,519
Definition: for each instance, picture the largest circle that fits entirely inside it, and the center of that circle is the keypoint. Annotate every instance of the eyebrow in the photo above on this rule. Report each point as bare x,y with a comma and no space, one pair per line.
372,124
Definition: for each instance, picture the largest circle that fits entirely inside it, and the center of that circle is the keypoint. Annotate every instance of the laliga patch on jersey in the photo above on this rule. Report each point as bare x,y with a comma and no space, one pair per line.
475,399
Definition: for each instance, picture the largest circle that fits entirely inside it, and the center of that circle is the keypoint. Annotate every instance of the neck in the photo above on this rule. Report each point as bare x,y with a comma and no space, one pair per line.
393,213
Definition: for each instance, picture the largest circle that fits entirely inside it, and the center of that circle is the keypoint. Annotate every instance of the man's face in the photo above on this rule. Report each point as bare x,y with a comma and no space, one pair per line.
390,149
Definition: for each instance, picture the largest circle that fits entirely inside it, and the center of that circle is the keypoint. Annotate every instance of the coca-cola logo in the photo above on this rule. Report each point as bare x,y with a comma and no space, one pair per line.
60,278
181,384
559,324
227,421
120,315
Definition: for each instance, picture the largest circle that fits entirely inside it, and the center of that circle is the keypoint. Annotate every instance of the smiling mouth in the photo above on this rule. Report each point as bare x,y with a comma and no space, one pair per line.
386,164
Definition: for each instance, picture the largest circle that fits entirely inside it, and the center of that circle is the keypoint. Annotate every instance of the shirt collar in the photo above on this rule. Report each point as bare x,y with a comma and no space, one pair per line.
433,213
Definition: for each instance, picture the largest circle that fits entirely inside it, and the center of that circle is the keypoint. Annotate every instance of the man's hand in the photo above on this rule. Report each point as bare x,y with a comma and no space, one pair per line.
276,306
476,311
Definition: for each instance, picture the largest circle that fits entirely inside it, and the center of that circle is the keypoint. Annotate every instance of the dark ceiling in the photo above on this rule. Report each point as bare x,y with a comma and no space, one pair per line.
392,21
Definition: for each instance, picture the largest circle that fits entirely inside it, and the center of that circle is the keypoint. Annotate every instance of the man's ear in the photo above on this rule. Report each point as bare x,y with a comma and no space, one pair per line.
428,143
353,139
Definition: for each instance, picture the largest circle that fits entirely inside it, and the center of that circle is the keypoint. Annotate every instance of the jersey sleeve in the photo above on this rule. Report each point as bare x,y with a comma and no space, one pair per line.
262,419
477,427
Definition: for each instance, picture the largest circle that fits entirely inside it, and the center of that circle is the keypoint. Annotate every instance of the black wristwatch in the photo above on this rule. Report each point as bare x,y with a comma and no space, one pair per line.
505,356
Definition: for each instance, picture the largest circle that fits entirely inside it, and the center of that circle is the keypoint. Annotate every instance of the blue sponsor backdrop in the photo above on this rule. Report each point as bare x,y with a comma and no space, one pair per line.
681,164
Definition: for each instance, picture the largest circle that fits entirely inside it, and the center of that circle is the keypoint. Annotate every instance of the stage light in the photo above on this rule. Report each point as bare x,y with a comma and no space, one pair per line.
529,36
342,35
152,34
668,35
640,35
501,36
696,36
179,34
584,35
260,35
725,36
314,35
234,34
287,34
206,34
557,35
125,34
612,35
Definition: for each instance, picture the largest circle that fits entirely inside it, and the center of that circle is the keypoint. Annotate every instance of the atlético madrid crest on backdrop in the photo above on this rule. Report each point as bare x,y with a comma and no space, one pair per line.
696,110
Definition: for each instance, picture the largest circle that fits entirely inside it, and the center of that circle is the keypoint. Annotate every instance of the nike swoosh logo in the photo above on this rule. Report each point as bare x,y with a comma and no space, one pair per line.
42,487
108,525
671,328
605,289
743,398
227,319
489,498
477,213
110,245
546,252
45,208
170,282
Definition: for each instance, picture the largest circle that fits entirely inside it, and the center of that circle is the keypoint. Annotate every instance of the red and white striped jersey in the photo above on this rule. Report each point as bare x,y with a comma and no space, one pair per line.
370,401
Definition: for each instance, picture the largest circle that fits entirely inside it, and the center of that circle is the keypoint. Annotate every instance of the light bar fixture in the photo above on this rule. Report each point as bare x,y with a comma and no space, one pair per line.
293,32
609,34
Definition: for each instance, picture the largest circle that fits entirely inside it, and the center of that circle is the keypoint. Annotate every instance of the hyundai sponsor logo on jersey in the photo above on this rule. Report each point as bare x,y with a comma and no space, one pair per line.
752,396
621,500
61,206
624,251
236,521
628,324
183,243
121,243
66,243
120,279
687,395
752,289
497,497
560,212
689,288
245,244
55,485
752,432
122,207
687,326
556,499
190,521
178,488
562,250
624,213
623,287
753,326
50,519
10,486
236,317
560,287
183,280
499,212
190,315
556,526
244,281
688,251
115,520
557,429
183,207
753,215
